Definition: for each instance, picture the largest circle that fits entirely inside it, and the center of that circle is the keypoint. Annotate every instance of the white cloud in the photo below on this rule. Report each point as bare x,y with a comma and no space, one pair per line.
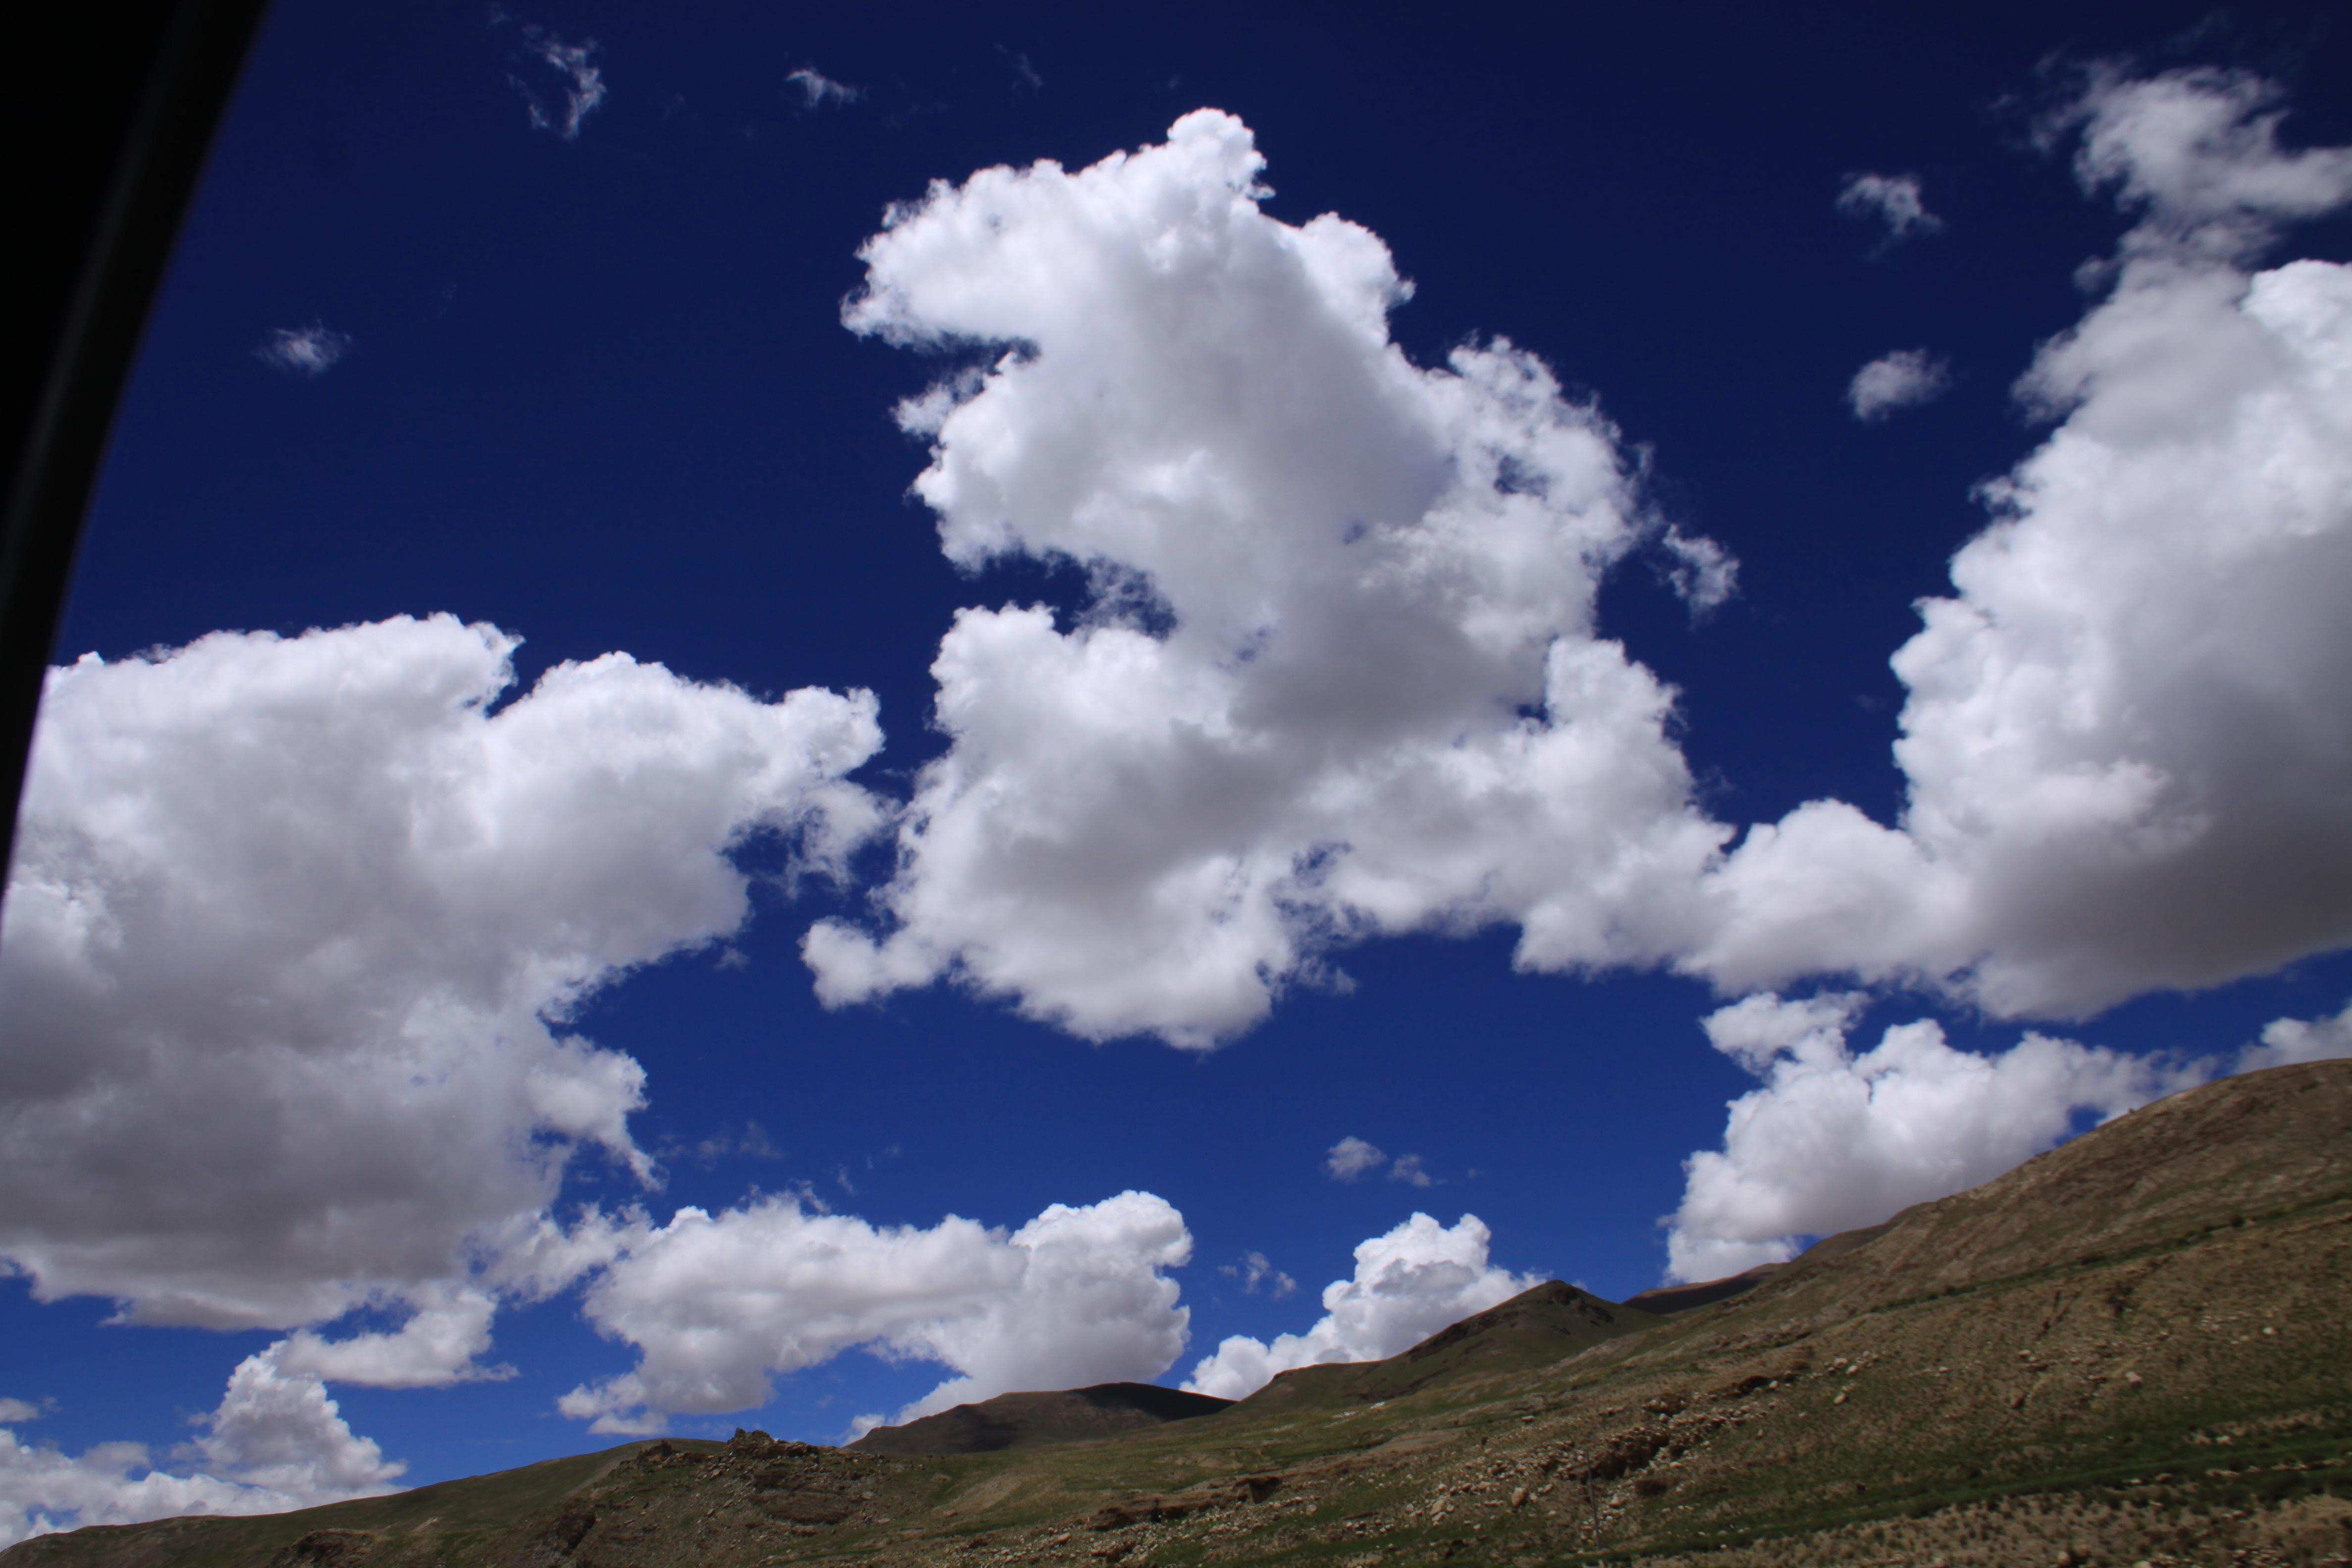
1902,379
2196,153
817,89
442,1342
1351,1158
1408,1284
308,351
1892,200
279,1431
2129,754
582,88
43,1489
15,1412
716,1304
274,1443
1833,1140
2286,1040
293,931
1702,573
1338,674
1256,1269
1407,1168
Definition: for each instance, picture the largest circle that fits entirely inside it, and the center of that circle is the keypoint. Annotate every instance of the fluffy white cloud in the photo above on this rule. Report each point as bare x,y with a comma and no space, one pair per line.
717,1303
1416,1279
2196,153
278,1431
1891,200
2129,754
276,1442
2286,1040
446,1333
43,1489
291,933
1899,380
1833,1140
1339,673
308,351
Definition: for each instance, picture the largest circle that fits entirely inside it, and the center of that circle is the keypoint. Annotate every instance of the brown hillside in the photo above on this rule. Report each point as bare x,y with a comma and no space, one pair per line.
1663,1300
2264,1146
1533,1327
1027,1420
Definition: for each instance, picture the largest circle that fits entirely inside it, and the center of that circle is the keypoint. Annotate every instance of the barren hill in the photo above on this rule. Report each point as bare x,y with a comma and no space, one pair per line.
2132,1349
1664,1300
1029,1420
1532,1329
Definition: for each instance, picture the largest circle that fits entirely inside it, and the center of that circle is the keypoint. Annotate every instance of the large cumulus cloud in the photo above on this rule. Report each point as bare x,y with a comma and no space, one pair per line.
1339,672
291,933
2129,754
1338,675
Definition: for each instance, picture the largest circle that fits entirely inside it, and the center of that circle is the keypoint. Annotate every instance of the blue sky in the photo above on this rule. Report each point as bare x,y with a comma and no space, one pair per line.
1163,735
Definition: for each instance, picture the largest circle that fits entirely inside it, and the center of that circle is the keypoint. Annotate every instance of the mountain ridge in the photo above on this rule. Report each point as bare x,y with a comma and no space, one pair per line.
1029,1419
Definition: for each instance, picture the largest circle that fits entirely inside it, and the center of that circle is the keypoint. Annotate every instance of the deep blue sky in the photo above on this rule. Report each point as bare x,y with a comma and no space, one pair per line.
598,392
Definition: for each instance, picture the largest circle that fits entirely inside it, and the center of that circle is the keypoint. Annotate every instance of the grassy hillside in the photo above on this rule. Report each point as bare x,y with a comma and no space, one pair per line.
2131,1349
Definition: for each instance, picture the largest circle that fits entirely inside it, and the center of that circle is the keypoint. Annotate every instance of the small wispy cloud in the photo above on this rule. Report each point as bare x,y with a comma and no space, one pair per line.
14,1411
750,1142
581,82
1254,1270
1408,1169
306,351
1892,200
1899,380
817,89
1353,1157
1024,74
1703,574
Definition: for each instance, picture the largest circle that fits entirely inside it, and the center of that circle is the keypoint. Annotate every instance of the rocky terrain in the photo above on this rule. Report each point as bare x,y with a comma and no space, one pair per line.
2131,1349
